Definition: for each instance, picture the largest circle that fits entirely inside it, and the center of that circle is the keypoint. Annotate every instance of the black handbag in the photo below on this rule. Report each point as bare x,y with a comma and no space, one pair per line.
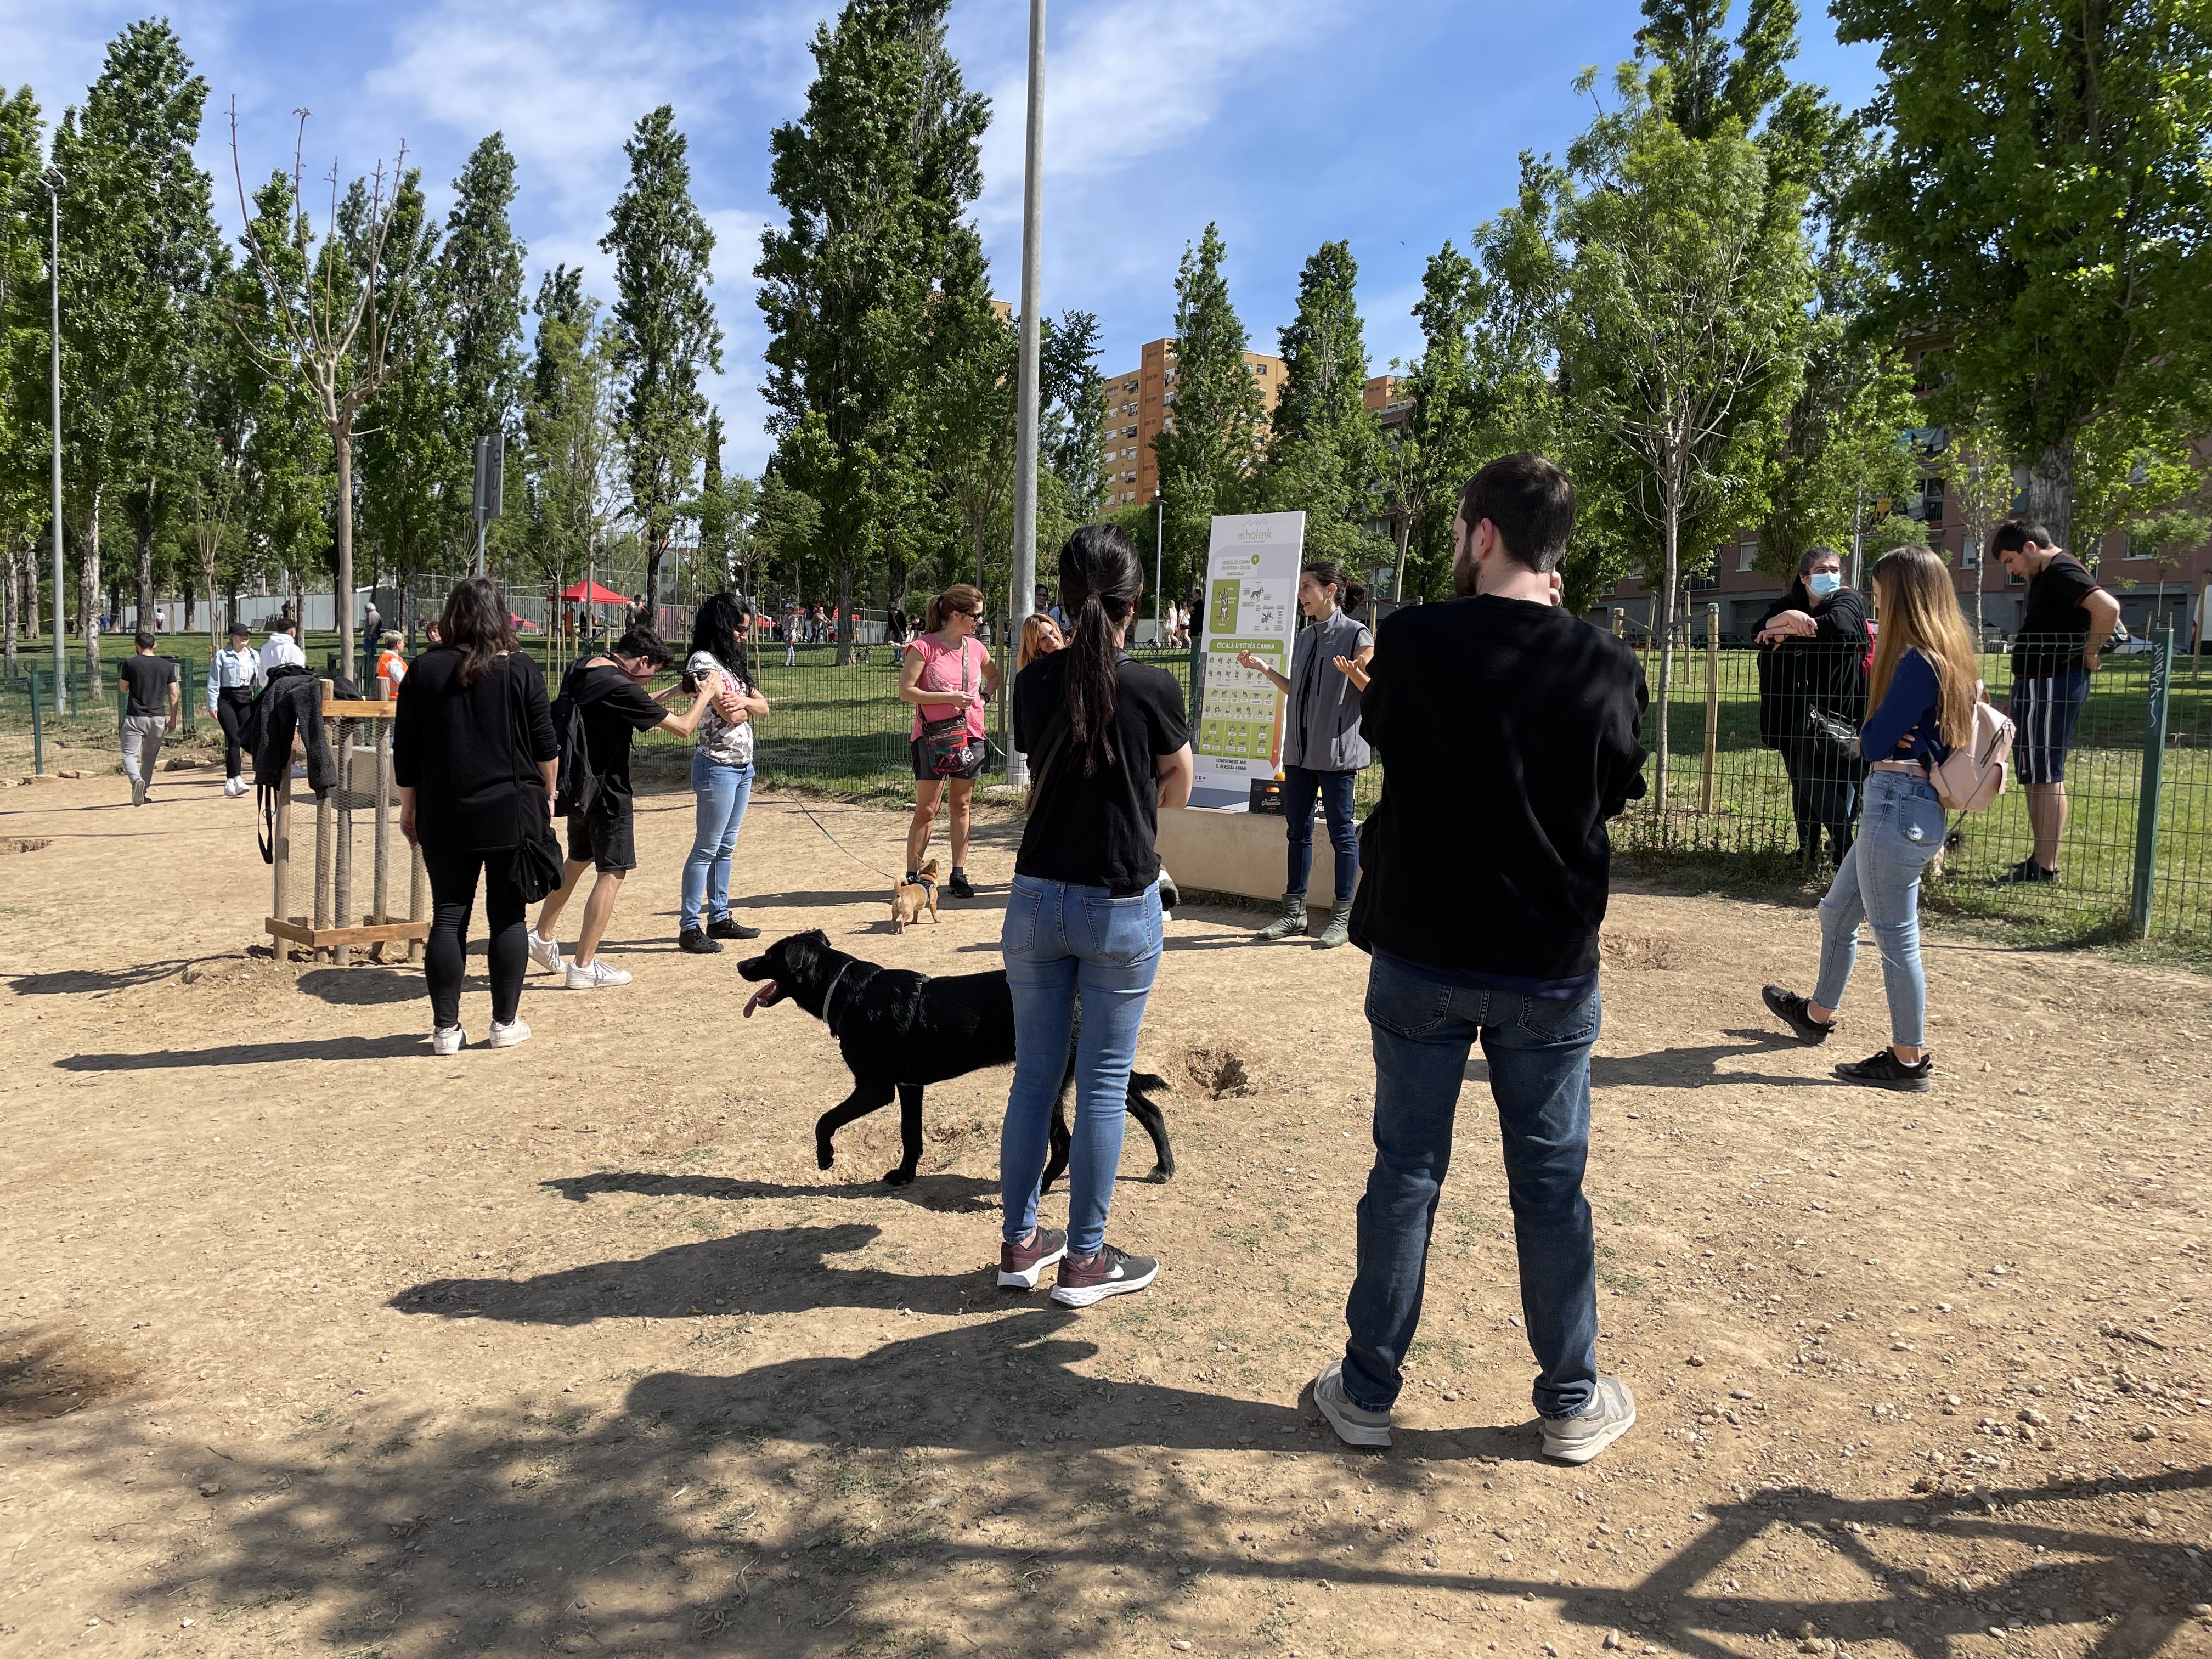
535,865
949,749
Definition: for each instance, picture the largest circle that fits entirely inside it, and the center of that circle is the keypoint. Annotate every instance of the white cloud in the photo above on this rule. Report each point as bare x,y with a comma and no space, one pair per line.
1126,81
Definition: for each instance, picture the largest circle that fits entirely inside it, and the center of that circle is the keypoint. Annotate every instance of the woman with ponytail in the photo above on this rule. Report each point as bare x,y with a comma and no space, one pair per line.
1322,750
1108,745
948,676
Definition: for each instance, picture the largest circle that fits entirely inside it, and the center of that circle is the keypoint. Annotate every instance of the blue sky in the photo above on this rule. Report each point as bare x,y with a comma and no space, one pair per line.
1394,123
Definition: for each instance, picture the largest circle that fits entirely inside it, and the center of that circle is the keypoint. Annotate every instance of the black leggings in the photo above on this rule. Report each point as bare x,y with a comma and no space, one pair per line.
231,705
452,896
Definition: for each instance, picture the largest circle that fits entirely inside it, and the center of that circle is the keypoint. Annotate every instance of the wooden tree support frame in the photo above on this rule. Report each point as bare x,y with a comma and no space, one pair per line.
324,932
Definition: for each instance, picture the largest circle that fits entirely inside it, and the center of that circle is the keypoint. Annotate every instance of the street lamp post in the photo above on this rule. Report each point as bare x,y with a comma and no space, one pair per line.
53,183
1025,433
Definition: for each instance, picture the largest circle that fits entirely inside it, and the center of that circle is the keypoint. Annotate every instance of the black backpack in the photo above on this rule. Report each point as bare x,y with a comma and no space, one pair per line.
576,788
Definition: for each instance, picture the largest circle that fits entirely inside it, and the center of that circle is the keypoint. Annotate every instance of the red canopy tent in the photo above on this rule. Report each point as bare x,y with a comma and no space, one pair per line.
593,594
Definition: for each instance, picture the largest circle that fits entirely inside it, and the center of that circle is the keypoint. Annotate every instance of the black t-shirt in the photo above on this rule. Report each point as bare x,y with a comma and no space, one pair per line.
615,709
147,680
2053,626
471,753
1509,732
1098,830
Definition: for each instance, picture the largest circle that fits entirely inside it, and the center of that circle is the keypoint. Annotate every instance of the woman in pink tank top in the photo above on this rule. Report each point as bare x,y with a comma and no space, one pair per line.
947,674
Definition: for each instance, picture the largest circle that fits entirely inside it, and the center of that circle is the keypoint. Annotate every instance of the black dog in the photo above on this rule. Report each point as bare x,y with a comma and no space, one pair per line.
902,1031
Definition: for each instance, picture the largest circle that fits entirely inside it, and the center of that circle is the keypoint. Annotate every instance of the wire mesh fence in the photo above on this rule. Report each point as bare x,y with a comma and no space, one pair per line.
1749,779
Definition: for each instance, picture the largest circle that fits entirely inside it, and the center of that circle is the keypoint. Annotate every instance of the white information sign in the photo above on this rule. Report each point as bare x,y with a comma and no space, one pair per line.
1251,605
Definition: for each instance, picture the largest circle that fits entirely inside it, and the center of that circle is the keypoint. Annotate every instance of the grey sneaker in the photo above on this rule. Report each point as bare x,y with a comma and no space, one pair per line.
1338,930
1355,1425
1290,922
1576,1439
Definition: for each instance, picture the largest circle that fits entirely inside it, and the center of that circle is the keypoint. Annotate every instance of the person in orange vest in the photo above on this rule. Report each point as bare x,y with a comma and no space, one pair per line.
391,666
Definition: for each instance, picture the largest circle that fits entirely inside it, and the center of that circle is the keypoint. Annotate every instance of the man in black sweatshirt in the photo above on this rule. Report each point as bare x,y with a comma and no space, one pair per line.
1510,733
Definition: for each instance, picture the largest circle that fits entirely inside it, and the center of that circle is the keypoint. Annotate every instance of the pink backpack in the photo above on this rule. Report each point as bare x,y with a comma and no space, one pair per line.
1971,776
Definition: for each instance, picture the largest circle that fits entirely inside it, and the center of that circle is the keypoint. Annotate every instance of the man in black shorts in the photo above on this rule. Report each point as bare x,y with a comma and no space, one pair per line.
610,689
2063,628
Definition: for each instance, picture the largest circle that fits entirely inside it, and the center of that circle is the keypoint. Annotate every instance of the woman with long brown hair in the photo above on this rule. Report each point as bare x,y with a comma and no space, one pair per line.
948,675
1924,694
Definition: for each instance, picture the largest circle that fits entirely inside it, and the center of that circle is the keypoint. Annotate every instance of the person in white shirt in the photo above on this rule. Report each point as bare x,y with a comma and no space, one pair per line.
283,647
232,679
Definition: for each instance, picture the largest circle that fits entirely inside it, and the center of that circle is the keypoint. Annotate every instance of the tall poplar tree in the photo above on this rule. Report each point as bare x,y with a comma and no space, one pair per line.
1324,447
1074,399
873,178
2043,202
137,234
1208,451
479,306
665,332
24,437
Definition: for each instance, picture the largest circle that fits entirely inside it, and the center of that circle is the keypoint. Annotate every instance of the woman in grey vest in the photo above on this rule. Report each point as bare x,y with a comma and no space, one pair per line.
1322,750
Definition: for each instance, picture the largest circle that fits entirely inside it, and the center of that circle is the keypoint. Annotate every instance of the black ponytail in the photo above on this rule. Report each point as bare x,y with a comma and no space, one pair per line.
1101,578
1350,595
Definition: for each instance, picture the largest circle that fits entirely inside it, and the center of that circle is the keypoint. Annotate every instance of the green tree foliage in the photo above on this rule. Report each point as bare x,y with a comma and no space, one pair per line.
480,306
664,331
1073,397
571,417
721,509
2043,202
137,235
1324,447
1209,448
873,178
966,419
25,438
1683,280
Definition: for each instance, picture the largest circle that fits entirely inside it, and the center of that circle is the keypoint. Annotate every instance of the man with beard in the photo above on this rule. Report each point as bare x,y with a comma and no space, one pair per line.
1510,733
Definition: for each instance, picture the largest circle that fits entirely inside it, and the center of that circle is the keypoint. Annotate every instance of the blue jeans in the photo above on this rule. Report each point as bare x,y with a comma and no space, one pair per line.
1538,1050
1300,786
1901,828
1067,946
721,793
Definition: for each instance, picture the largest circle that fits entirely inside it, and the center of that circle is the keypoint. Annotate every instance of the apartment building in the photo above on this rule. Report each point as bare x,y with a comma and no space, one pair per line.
1140,403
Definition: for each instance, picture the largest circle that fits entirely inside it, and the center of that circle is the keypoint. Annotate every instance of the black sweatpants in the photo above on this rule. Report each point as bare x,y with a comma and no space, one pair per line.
231,704
452,896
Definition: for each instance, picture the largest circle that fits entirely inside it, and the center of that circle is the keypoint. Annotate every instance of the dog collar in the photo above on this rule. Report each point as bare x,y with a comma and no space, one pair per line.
831,993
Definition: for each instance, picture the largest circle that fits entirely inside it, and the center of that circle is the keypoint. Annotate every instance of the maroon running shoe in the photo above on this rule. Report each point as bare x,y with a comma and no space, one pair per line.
1021,1266
1110,1272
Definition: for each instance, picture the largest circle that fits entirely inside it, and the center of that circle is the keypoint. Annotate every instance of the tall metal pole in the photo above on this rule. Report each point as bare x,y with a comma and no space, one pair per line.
1159,553
53,182
1025,431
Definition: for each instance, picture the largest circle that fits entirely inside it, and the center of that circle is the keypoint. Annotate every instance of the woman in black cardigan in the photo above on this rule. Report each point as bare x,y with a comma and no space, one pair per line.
474,756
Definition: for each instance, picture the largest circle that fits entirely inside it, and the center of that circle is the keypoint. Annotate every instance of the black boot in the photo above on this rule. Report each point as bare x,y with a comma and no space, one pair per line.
1291,923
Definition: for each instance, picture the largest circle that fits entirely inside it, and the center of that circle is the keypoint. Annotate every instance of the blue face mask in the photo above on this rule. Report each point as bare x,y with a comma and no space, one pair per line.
1822,583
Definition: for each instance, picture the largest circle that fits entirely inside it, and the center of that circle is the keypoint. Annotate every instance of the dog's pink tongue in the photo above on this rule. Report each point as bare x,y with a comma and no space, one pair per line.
760,998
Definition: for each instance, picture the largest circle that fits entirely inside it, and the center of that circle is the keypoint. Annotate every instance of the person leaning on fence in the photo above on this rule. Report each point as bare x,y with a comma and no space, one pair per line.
1322,751
1110,744
1924,691
474,755
1509,731
232,676
148,684
608,688
2064,624
721,775
1811,693
948,675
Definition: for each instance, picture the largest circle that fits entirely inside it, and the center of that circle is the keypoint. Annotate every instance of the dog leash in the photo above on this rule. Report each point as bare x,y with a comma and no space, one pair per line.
841,847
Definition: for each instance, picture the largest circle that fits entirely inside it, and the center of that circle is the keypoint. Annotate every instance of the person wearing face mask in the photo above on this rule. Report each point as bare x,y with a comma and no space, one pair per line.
1811,691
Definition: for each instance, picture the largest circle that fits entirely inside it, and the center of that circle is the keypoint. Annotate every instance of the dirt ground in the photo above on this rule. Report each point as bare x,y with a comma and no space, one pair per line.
312,1342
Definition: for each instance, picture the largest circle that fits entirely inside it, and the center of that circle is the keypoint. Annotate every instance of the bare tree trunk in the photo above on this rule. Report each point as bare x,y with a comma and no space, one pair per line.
845,629
343,444
2051,496
142,534
1663,641
8,596
655,551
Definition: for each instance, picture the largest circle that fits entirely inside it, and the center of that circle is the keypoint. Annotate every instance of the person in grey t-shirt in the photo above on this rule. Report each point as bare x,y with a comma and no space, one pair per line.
1322,750
149,685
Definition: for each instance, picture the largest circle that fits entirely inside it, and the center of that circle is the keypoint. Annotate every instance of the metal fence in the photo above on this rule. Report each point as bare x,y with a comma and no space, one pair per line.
1744,781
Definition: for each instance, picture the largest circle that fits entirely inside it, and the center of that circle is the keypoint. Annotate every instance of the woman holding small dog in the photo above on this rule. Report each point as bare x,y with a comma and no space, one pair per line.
948,676
1322,750
721,772
1110,744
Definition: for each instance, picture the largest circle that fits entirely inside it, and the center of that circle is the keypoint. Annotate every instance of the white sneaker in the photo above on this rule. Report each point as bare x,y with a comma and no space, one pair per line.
506,1036
589,977
234,787
545,952
449,1040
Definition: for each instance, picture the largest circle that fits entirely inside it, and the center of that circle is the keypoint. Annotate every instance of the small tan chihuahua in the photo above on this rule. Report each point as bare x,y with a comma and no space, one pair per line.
910,899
